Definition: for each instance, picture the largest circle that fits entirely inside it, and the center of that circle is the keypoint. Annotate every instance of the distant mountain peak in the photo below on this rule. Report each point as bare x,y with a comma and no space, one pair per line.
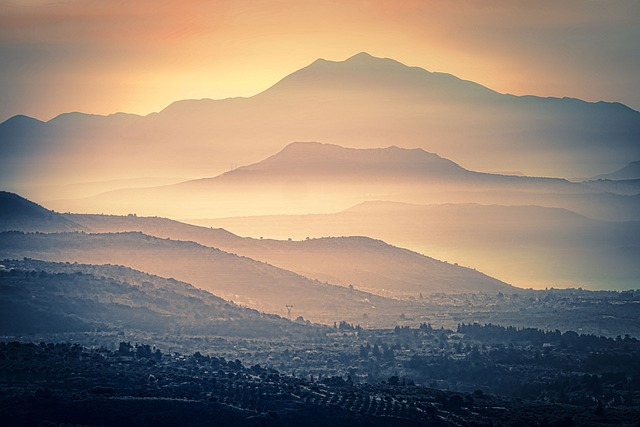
364,61
367,60
630,171
365,57
21,118
313,149
377,77
333,160
361,55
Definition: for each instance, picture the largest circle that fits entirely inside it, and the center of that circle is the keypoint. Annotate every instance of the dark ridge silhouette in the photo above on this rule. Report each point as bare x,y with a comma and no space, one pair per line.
40,297
18,213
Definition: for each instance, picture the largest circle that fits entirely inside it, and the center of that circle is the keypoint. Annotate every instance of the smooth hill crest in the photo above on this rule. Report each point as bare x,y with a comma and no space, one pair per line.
323,161
525,245
242,280
369,264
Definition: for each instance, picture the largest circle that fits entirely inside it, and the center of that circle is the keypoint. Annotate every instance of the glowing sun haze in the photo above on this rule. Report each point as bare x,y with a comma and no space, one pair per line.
107,56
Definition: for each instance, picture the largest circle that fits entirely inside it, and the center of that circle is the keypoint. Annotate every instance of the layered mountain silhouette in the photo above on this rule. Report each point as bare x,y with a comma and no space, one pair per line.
523,245
309,177
360,102
234,278
362,262
312,160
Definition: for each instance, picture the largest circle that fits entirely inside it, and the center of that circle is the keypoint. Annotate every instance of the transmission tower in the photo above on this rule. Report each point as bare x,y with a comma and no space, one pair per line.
289,308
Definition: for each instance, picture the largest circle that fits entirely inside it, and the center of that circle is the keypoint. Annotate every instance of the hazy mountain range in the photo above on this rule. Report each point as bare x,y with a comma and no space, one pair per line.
525,230
384,241
523,245
360,262
321,178
354,279
528,231
403,157
360,102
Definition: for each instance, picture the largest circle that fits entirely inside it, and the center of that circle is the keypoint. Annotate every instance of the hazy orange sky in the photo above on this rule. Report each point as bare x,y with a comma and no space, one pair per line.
103,56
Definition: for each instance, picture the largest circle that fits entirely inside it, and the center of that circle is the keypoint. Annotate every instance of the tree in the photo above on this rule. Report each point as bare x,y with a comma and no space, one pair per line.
376,351
124,349
393,380
143,351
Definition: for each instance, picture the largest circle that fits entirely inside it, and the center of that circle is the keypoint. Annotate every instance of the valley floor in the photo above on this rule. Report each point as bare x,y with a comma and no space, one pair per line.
476,375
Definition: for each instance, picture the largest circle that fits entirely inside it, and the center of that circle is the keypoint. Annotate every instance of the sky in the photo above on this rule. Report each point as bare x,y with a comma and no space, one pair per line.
105,56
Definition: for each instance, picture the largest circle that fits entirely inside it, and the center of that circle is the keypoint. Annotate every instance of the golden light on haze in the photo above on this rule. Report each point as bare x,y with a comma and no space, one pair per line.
102,57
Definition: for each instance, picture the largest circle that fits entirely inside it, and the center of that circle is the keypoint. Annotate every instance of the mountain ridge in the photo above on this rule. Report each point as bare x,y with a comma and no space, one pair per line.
630,171
313,177
355,260
367,263
542,137
524,245
365,66
356,58
304,158
242,280
18,213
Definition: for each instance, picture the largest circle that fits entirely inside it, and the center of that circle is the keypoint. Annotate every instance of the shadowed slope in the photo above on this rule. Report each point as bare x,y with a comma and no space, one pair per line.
370,265
39,297
18,213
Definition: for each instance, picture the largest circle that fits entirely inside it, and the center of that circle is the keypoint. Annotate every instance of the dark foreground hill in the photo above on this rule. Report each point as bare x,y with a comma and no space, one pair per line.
364,263
39,297
20,214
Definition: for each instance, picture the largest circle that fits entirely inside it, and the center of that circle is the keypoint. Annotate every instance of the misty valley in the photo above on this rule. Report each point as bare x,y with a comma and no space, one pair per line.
87,339
307,256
